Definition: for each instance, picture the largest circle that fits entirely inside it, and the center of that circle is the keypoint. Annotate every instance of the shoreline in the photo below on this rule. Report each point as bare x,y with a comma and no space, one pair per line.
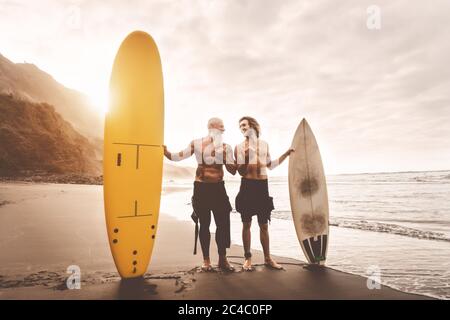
180,285
184,280
35,263
45,178
86,179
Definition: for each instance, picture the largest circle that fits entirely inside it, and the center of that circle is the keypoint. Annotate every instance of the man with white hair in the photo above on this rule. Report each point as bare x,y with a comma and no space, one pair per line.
209,189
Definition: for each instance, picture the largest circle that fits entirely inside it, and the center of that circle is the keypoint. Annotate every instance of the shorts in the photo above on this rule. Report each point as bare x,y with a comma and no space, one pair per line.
253,199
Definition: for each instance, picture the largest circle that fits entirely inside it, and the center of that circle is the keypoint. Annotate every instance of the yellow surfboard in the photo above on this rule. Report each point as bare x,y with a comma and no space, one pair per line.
133,153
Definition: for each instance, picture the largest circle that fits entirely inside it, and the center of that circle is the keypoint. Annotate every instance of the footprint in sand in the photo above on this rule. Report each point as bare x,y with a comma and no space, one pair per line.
4,203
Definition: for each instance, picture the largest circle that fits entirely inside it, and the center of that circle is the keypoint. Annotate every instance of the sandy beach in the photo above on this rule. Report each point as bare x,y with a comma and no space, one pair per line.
45,228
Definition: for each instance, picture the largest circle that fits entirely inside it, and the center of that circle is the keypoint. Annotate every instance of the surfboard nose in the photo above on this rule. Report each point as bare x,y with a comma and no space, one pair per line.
139,35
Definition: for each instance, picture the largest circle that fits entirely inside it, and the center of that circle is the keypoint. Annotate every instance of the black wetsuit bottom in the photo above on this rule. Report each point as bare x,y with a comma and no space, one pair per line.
207,198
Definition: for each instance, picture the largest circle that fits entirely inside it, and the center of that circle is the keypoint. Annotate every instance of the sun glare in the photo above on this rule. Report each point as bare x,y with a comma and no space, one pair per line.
100,101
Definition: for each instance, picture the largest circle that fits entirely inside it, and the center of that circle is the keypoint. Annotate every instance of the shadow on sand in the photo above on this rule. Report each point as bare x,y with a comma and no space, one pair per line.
136,289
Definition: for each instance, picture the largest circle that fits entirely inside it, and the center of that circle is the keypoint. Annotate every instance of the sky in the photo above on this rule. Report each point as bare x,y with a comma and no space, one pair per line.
373,82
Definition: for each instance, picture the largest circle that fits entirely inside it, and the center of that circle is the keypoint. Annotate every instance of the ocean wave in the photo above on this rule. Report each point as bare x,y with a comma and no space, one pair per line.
442,178
375,227
402,178
391,229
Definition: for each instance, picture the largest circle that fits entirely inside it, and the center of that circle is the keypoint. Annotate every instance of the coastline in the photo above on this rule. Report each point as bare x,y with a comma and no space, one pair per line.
38,249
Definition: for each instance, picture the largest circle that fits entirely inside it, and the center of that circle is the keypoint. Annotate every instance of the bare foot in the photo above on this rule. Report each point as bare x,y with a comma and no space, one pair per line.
207,265
269,262
225,265
247,266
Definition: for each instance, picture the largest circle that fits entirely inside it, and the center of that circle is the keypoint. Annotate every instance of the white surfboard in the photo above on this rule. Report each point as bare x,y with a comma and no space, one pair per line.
308,195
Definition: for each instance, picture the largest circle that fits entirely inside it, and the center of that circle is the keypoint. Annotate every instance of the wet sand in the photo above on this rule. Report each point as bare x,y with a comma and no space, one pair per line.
45,228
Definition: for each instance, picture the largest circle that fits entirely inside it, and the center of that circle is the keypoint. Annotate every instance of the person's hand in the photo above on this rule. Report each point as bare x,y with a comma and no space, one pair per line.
165,150
288,153
242,169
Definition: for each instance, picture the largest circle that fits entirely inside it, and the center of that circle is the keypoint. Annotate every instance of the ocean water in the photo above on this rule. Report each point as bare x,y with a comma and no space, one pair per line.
393,227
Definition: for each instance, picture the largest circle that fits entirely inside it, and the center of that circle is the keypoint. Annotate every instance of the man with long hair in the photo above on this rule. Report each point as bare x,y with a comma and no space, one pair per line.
253,159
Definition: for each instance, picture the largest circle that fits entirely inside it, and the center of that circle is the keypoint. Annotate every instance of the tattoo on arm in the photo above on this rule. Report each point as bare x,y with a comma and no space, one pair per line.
184,154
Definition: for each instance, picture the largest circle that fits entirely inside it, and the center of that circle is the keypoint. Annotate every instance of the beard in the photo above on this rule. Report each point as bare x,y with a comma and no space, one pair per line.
217,136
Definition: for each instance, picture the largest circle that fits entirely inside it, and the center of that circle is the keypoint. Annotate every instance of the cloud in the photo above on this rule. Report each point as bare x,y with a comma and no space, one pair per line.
377,100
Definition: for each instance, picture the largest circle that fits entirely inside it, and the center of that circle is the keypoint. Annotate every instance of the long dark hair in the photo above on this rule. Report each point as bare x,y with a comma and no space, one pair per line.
253,124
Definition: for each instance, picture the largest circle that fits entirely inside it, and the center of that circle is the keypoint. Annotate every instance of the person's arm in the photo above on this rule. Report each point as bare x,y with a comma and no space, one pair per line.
241,168
275,163
184,154
230,163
